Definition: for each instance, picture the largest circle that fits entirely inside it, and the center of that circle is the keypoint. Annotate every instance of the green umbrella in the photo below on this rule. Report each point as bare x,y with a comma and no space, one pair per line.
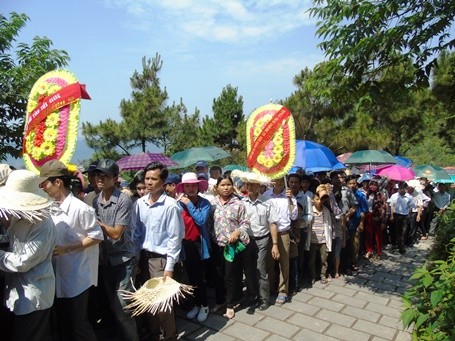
238,167
371,157
190,156
431,172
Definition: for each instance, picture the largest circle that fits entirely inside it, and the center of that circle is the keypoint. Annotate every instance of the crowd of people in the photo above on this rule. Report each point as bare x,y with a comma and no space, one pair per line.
68,252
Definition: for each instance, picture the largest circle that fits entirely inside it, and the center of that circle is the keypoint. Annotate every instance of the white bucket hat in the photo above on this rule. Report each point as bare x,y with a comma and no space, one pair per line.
192,178
250,177
22,197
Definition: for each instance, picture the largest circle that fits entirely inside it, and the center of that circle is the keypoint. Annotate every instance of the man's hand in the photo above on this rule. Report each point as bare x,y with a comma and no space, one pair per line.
167,274
60,250
275,252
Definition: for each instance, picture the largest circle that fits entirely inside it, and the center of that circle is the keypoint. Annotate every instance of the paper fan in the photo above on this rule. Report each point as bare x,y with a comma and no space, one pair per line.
156,295
52,119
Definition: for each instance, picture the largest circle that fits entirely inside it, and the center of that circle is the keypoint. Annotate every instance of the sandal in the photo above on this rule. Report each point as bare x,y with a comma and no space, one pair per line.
369,255
230,313
281,299
323,280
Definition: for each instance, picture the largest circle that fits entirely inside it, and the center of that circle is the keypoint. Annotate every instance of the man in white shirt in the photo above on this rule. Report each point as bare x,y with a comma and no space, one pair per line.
262,231
30,235
76,255
401,204
286,207
441,200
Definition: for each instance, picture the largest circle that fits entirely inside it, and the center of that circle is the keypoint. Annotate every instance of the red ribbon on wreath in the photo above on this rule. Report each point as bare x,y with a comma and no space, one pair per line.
269,129
51,103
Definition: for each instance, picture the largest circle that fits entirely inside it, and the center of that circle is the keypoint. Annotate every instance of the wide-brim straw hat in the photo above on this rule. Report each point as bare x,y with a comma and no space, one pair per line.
192,178
156,295
22,197
250,177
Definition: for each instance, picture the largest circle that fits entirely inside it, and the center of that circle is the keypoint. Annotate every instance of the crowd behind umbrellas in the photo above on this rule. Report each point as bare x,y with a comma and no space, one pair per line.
204,228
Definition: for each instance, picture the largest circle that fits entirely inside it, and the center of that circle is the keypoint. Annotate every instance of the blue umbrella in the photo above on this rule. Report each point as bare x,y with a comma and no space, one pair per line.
314,157
403,161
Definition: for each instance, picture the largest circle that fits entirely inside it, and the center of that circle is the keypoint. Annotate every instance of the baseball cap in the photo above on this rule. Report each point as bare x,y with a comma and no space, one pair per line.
52,168
91,168
107,166
202,163
172,179
203,176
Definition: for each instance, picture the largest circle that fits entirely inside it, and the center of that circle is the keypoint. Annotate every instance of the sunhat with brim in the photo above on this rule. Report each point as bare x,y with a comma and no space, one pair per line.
250,177
22,197
414,183
156,295
191,178
5,171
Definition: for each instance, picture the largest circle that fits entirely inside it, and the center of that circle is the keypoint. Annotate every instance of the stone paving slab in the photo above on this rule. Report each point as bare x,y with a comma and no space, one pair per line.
363,307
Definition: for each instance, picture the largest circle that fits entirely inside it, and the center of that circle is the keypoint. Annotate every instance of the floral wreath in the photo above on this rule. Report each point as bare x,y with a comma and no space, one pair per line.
277,156
52,119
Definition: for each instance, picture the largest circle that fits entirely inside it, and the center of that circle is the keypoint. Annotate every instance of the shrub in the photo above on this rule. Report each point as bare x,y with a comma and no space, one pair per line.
430,302
444,234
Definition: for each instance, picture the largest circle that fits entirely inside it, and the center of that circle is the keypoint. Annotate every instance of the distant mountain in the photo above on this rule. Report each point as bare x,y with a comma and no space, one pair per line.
83,152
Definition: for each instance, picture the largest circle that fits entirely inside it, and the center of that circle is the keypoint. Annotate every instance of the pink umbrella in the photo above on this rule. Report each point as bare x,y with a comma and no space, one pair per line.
140,161
395,172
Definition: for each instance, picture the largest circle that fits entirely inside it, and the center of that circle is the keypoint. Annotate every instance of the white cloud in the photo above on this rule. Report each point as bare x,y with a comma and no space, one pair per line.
228,21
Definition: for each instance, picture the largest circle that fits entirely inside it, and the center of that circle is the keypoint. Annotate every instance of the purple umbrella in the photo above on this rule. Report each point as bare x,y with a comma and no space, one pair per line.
140,161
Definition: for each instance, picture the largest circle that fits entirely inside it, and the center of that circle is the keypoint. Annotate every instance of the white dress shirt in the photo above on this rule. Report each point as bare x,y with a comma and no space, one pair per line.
282,206
76,271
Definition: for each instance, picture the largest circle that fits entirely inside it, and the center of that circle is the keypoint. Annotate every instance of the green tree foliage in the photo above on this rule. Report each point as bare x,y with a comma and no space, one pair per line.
106,139
143,116
20,67
367,36
443,89
222,129
181,131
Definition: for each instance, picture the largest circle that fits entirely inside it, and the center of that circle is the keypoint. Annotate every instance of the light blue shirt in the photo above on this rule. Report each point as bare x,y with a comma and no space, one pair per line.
159,228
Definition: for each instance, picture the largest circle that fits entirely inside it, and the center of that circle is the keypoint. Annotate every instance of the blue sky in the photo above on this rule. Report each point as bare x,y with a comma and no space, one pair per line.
257,46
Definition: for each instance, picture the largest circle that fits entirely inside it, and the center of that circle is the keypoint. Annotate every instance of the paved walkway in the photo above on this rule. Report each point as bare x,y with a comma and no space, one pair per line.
364,307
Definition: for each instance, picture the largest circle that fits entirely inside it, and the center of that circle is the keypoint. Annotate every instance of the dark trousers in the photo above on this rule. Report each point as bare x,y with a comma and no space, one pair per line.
72,318
195,270
413,228
323,254
163,321
32,327
246,260
301,257
401,223
118,277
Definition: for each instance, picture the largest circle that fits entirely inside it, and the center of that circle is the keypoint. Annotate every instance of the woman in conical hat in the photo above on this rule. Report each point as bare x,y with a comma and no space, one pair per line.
29,276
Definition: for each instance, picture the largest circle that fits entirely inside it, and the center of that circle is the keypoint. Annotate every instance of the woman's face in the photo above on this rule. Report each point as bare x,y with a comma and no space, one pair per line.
373,186
141,189
225,188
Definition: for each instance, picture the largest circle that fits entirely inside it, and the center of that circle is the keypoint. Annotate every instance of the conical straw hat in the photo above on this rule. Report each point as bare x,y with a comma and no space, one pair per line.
156,295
